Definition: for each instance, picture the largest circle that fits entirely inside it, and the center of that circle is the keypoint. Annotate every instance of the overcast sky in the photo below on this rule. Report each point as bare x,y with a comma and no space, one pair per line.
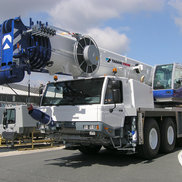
147,30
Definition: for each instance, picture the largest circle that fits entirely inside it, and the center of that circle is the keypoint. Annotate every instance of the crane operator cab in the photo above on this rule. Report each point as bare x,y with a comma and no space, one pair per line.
167,84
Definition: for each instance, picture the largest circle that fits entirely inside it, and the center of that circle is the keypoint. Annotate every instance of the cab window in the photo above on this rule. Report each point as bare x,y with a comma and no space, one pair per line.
109,93
10,116
177,78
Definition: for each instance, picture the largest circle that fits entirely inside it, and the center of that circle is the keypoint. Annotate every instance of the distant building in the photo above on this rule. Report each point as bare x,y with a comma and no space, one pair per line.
16,94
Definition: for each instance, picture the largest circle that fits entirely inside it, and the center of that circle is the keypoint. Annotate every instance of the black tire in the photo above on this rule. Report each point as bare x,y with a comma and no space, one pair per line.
91,149
151,144
109,148
168,135
179,142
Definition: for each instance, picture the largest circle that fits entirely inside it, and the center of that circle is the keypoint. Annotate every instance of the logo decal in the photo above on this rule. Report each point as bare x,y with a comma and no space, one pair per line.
6,40
109,60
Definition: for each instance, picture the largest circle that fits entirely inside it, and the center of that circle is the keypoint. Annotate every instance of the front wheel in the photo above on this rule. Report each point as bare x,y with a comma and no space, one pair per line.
151,144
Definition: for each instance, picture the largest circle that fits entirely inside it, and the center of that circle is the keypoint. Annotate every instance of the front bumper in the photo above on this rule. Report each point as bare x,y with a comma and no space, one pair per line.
88,132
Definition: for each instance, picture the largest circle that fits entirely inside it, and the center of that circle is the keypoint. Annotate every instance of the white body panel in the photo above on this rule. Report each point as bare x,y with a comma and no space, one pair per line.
114,119
62,56
141,95
72,113
86,113
64,61
124,67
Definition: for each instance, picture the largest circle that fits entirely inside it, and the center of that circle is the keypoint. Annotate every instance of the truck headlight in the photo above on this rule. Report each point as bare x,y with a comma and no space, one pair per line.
85,127
91,127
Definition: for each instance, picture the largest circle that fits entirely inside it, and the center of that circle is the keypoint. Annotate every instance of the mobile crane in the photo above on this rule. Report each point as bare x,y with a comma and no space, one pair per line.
101,106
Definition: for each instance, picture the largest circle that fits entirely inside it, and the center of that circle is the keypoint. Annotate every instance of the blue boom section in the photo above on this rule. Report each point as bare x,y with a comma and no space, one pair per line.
23,48
167,93
42,117
9,71
172,94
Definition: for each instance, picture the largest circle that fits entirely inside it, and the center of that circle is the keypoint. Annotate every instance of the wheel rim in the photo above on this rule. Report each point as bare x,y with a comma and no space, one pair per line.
170,135
153,138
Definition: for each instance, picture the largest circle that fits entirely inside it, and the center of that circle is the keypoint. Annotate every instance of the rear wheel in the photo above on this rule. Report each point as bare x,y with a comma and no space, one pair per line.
90,149
168,135
151,144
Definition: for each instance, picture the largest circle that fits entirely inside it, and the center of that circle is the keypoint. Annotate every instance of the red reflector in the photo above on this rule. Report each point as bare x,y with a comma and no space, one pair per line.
126,64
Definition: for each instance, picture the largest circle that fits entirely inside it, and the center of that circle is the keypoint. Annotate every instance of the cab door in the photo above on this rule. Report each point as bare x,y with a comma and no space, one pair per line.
113,109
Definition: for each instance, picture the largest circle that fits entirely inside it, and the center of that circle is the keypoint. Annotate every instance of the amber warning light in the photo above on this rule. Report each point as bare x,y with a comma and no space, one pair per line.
55,77
114,70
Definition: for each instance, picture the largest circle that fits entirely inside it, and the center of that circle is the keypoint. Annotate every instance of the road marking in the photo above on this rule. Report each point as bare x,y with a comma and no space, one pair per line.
13,153
180,158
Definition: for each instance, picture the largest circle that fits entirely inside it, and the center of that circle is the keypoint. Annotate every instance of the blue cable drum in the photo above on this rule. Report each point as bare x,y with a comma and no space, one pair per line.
40,52
7,26
23,48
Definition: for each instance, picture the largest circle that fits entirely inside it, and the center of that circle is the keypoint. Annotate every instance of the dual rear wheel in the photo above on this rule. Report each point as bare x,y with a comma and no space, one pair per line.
157,138
168,135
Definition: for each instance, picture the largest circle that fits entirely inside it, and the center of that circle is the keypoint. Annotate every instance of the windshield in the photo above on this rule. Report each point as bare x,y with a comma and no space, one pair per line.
163,77
9,116
75,92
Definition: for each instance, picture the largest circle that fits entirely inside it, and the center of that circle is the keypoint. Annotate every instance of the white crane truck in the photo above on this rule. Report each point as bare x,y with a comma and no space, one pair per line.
100,106
107,107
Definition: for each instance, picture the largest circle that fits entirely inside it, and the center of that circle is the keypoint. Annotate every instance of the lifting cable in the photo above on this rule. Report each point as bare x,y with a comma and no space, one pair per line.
21,99
12,89
28,96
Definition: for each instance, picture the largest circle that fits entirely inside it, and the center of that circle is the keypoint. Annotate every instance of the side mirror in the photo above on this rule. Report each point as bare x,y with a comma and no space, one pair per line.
5,119
116,91
116,95
115,84
5,113
179,81
40,91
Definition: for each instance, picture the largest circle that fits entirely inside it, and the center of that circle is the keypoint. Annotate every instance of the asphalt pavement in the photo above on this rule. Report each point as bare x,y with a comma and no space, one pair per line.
60,165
